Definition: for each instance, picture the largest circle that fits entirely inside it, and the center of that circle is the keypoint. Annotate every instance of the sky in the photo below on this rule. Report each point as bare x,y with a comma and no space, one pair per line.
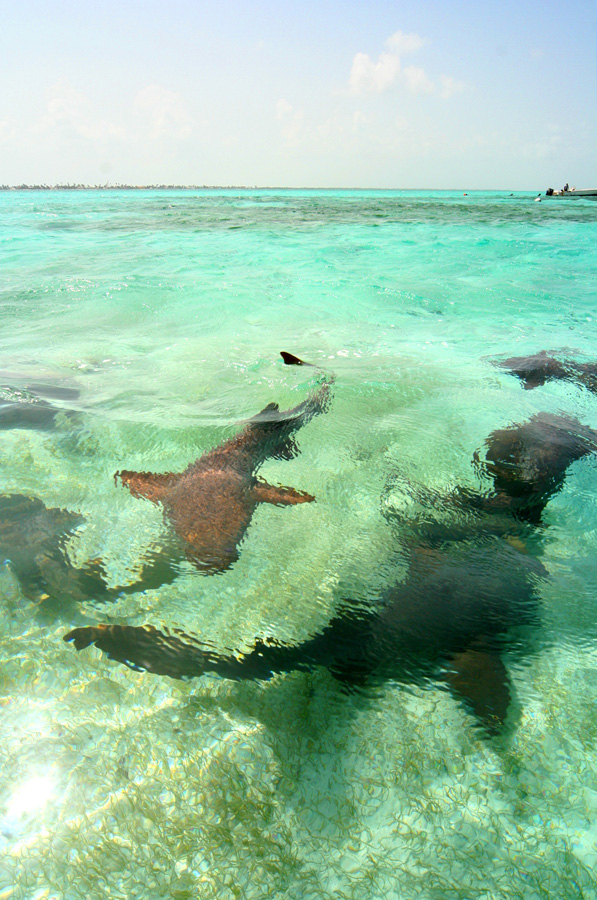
454,94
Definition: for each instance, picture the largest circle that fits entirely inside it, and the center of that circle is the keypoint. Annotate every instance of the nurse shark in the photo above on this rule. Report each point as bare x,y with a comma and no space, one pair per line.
533,371
33,545
467,585
211,503
25,404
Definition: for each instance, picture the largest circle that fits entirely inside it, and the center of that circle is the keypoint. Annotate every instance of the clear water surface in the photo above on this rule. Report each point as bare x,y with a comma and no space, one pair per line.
161,315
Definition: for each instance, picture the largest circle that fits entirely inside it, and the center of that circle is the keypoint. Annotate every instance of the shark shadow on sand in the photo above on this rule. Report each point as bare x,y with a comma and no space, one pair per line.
470,583
210,505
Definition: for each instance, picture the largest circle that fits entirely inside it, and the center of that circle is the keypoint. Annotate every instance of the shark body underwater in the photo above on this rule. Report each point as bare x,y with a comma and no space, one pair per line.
33,539
25,404
469,581
534,371
210,505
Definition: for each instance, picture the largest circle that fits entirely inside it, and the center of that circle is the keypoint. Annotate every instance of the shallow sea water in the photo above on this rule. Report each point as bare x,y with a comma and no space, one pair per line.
166,312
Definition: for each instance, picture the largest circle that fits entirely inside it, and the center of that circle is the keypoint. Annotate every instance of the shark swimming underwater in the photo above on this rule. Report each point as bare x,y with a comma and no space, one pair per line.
535,370
33,539
468,583
446,621
528,463
25,404
32,544
210,504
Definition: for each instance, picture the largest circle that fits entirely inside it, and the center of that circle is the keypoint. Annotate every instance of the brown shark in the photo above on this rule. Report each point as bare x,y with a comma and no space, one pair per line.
211,503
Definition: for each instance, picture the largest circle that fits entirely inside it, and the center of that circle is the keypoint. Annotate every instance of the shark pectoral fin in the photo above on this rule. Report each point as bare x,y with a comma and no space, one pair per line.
160,565
480,677
148,484
280,496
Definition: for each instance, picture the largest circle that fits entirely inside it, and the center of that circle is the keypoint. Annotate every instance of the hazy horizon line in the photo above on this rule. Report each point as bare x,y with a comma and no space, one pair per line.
234,187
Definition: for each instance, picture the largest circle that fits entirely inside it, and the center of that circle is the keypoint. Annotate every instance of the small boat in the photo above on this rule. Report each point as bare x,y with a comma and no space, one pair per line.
586,194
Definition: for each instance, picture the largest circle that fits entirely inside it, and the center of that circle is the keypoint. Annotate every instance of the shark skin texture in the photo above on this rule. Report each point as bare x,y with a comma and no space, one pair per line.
34,537
446,622
528,463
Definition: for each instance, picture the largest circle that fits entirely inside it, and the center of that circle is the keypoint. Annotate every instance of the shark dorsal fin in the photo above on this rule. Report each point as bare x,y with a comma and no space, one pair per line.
291,360
269,413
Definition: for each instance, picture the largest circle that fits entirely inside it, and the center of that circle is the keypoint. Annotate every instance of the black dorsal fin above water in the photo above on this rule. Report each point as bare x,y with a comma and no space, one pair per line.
291,360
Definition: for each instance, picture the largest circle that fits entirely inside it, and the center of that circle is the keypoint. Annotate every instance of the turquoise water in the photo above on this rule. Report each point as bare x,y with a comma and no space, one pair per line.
162,314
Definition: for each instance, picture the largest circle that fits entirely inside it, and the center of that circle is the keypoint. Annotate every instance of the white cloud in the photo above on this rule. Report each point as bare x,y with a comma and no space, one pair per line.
359,121
163,111
70,113
417,81
65,104
450,86
368,76
401,43
283,109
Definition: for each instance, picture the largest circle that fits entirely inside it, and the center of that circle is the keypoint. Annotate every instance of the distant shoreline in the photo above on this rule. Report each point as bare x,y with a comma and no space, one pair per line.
225,187
129,187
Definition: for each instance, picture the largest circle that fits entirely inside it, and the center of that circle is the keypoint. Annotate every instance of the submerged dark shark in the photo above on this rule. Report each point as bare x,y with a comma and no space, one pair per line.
25,404
211,503
467,585
33,540
533,371
528,463
447,620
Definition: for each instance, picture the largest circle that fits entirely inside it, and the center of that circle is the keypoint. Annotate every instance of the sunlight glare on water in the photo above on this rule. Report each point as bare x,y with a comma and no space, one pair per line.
145,329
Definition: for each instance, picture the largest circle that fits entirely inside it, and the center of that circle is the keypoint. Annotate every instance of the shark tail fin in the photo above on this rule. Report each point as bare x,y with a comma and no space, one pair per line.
150,485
